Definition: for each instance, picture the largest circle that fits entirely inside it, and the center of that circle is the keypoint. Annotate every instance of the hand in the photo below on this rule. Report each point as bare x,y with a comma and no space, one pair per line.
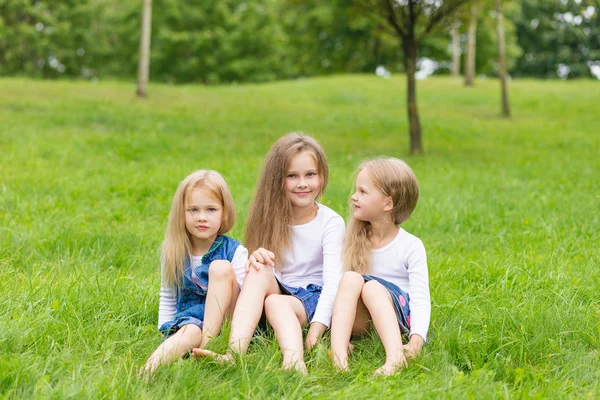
413,348
260,259
315,332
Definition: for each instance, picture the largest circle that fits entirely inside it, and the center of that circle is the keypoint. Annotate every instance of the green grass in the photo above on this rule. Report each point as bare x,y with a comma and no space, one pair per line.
509,214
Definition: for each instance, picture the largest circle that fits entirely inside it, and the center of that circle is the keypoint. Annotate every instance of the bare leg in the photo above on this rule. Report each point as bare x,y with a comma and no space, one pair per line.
220,299
175,347
350,316
286,315
381,307
257,286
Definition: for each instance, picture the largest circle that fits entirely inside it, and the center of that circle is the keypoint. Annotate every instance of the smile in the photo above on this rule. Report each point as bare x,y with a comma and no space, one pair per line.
302,194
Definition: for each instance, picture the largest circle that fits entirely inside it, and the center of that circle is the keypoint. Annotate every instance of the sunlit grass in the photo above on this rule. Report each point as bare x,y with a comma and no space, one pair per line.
509,213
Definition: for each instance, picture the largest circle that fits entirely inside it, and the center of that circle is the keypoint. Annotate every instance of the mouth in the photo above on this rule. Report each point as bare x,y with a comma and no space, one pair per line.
202,227
302,194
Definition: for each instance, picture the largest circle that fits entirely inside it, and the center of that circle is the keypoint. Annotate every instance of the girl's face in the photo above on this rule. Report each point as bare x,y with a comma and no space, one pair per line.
203,215
302,182
370,204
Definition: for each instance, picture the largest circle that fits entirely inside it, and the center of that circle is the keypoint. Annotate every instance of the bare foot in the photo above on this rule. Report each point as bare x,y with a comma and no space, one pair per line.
340,365
390,368
222,358
297,366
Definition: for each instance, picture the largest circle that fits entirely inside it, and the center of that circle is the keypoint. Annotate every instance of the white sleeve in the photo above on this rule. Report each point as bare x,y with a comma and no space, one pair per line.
418,289
240,257
333,240
167,307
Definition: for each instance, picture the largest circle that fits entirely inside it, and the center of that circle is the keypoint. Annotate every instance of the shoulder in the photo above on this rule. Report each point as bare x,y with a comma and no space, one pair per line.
330,217
230,243
409,243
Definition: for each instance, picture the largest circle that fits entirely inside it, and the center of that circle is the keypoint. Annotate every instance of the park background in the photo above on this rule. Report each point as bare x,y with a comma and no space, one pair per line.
509,207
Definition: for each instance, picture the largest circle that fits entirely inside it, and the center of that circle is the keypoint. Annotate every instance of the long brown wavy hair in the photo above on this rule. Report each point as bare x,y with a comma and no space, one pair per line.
270,214
177,246
394,178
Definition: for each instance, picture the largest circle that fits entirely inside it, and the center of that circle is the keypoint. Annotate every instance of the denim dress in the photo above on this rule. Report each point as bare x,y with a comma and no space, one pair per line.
191,297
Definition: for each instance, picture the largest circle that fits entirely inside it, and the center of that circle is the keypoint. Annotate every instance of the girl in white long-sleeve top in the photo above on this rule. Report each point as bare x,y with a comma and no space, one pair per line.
296,242
386,280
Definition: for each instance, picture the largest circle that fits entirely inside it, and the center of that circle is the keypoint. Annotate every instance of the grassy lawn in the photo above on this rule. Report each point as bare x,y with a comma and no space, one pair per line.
509,214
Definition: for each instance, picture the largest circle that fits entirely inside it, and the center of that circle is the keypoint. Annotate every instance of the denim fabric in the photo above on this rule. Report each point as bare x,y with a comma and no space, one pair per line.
309,297
191,297
401,301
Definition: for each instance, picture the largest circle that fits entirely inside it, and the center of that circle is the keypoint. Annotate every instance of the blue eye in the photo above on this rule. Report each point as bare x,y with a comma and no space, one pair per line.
212,209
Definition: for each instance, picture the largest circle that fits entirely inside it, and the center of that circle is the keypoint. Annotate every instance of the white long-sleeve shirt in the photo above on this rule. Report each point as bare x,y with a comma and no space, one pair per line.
167,307
315,257
403,262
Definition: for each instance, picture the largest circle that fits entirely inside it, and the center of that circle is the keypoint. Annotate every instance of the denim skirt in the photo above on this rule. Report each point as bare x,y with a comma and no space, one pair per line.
400,299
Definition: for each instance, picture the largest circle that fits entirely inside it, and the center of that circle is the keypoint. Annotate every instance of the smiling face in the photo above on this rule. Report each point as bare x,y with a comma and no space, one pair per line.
203,217
302,182
369,203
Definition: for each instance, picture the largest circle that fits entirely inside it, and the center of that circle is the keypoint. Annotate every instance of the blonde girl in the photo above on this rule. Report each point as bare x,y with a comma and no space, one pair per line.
386,279
295,267
202,269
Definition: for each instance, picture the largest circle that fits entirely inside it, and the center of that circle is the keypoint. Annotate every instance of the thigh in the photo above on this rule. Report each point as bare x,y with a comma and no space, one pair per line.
362,320
376,297
189,335
283,303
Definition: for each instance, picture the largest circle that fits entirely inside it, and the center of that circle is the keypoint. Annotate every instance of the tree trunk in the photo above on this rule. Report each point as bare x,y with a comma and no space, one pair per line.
502,58
470,59
455,51
144,60
410,62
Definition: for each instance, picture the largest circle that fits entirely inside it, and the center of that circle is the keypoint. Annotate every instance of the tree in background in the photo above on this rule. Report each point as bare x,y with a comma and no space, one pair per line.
471,42
144,61
456,51
502,59
559,38
411,21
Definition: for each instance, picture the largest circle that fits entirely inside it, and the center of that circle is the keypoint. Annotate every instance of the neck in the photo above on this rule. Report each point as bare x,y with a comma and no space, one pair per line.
201,247
303,215
383,232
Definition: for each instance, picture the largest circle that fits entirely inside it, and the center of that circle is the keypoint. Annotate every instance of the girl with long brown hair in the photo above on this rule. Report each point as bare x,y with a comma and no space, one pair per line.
202,269
386,279
295,267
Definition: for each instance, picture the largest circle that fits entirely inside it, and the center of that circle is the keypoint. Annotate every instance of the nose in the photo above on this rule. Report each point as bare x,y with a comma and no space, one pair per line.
353,197
201,216
302,182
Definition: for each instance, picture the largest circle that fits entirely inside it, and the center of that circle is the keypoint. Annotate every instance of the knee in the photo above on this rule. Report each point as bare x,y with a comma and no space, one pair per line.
260,277
220,270
351,281
272,304
372,290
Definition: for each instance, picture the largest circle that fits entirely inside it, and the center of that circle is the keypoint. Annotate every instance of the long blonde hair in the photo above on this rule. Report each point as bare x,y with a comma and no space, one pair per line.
177,246
270,215
394,178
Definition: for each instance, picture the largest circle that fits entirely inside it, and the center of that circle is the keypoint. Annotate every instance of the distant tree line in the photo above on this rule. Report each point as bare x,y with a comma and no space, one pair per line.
263,40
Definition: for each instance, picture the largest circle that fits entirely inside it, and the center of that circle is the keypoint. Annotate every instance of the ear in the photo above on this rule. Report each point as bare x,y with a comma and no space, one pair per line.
388,204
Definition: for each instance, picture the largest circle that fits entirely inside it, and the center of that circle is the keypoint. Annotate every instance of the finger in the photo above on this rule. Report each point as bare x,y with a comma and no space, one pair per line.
258,257
268,256
257,266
